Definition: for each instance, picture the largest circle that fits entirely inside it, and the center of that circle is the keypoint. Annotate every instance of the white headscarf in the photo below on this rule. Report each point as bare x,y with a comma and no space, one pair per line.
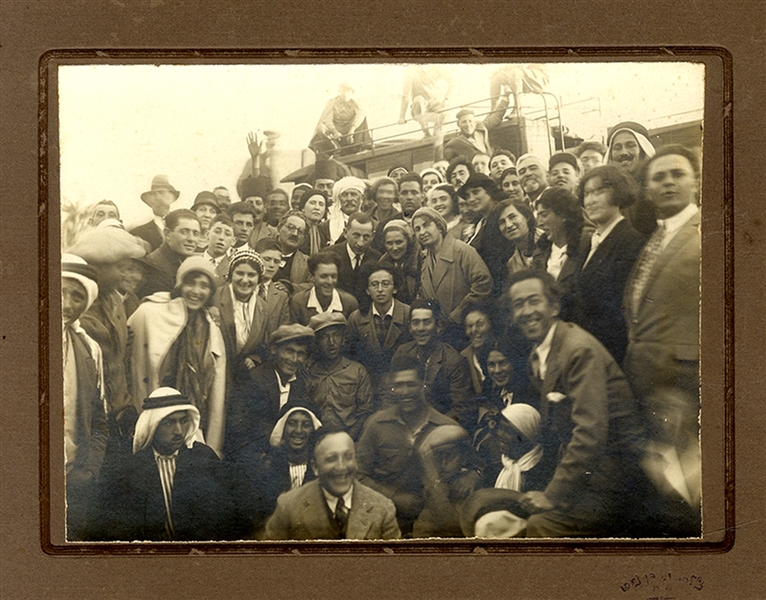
526,419
74,267
642,140
335,214
275,440
150,418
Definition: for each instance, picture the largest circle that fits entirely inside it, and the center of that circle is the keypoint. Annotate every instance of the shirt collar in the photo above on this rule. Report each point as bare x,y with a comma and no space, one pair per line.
609,228
335,304
332,501
674,223
352,255
545,346
158,455
282,386
238,302
159,222
389,312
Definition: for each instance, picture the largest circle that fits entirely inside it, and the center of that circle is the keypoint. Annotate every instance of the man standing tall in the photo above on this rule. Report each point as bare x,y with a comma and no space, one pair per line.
158,198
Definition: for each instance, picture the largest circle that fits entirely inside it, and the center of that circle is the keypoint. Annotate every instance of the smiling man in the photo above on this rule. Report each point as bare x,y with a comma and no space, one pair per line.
628,146
323,296
388,460
564,171
474,137
182,233
335,505
533,176
590,420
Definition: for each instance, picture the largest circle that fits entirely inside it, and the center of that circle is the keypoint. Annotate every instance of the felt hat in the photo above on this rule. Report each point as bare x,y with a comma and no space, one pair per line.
74,267
286,333
328,319
160,182
208,198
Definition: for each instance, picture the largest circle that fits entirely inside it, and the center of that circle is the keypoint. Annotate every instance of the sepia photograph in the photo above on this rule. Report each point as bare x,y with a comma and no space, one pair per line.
379,301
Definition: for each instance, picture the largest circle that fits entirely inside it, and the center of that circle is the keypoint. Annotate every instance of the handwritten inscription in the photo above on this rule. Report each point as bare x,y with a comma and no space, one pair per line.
662,585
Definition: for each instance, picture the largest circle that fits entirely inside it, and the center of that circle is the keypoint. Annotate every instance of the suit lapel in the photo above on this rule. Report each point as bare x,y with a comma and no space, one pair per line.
552,368
227,318
256,328
679,241
359,518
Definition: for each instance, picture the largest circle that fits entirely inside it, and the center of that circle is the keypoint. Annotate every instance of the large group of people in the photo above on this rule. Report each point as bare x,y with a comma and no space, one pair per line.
494,347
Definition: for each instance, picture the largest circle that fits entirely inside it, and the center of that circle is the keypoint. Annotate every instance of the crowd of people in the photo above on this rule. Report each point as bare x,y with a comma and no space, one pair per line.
494,346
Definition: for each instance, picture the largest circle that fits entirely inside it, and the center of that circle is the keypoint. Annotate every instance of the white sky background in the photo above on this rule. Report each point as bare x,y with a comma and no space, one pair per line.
122,125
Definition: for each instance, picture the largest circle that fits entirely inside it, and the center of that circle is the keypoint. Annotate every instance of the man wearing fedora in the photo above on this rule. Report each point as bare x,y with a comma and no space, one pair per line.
159,199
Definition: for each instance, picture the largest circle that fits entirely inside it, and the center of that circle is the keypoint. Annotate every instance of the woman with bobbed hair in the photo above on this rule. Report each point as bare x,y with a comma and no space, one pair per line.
174,342
443,198
614,248
313,204
517,224
563,247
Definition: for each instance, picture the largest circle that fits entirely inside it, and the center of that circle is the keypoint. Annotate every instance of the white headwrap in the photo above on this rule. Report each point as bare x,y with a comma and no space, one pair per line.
275,440
150,418
526,419
74,267
335,214
642,140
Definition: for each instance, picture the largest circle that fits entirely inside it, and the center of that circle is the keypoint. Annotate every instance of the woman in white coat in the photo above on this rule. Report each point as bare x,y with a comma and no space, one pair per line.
173,341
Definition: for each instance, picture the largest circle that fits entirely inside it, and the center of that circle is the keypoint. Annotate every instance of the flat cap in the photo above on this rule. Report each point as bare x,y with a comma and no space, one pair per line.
294,331
328,319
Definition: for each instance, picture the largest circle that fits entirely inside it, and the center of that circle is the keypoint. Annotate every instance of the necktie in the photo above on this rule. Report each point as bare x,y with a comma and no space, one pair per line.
246,315
262,291
381,328
646,263
357,260
534,360
341,516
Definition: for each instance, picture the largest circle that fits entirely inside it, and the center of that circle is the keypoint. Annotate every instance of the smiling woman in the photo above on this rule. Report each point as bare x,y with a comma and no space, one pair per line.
174,342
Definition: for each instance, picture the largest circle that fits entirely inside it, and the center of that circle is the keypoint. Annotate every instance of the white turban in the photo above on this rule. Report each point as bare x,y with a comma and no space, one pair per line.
642,140
74,267
526,419
335,214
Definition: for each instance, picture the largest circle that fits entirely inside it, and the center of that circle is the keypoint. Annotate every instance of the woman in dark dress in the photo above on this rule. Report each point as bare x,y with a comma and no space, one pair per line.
402,255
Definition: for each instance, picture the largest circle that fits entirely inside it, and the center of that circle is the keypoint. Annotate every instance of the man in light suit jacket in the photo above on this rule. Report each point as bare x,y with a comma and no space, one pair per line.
335,505
589,419
662,296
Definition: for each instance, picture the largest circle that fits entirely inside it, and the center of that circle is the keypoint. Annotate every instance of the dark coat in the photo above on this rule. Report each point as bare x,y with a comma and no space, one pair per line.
598,295
449,388
349,279
159,271
258,400
149,232
570,273
300,313
132,506
365,347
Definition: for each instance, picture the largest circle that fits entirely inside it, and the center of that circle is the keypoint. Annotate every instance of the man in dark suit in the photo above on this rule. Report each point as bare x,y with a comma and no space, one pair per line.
376,333
159,199
355,254
589,419
172,487
335,505
614,247
323,296
271,386
448,384
182,231
473,136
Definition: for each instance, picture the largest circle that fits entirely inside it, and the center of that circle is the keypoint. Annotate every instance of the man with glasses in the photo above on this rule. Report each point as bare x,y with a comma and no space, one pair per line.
376,333
293,269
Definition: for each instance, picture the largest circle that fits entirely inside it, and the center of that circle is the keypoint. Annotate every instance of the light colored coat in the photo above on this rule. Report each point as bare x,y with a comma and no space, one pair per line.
152,329
302,514
459,278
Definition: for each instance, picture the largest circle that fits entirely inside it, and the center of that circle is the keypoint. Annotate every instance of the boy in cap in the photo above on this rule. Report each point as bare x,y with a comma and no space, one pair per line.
85,428
171,487
564,171
340,387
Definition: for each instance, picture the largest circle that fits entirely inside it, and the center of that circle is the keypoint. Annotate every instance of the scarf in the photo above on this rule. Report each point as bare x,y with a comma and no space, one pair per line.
510,478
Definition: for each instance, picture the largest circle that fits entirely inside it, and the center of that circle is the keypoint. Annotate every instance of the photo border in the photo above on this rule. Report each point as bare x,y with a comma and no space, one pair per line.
719,201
